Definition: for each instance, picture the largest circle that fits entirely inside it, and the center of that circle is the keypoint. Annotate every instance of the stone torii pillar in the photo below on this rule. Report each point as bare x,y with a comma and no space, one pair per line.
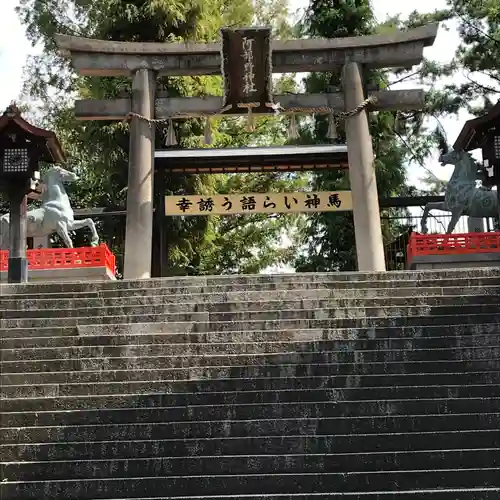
139,228
369,242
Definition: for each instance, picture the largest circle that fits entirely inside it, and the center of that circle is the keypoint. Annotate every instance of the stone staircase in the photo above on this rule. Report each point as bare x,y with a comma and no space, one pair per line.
354,387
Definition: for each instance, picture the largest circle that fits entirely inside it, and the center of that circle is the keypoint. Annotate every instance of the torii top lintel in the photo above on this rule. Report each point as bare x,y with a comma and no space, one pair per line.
110,58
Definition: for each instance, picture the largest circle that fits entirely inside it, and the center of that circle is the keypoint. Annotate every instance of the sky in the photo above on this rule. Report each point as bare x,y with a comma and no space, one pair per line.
14,48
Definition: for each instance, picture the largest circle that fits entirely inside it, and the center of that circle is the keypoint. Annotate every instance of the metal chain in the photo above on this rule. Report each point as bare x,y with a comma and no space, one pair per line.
277,108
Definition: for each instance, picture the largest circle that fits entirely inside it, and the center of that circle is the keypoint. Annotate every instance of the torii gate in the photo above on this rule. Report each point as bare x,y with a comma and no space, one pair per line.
143,61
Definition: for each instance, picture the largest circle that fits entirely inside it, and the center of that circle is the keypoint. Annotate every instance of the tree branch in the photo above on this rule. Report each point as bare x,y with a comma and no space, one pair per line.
480,85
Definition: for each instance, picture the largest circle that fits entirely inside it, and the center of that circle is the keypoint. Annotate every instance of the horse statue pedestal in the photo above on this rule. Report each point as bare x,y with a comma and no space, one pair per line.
453,251
66,264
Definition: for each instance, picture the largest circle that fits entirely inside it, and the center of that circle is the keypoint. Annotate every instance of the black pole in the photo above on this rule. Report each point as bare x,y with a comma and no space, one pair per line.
496,180
159,258
163,225
18,263
498,206
498,202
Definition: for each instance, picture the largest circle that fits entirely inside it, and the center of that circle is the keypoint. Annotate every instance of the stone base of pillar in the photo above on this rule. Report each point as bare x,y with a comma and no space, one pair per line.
18,270
41,242
475,224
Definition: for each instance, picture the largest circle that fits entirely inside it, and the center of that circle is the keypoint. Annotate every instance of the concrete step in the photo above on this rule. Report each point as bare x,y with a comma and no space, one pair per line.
312,329
352,288
243,385
273,320
259,312
100,374
474,324
255,445
140,487
451,336
433,494
185,286
343,295
374,325
255,464
348,277
289,395
346,305
212,429
271,304
338,352
134,359
144,410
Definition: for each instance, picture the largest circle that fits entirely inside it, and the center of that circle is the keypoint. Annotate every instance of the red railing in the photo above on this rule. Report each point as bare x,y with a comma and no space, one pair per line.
66,258
452,244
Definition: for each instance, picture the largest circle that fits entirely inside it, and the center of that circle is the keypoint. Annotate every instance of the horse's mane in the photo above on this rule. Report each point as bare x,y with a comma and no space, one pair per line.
45,178
443,147
45,174
465,154
441,140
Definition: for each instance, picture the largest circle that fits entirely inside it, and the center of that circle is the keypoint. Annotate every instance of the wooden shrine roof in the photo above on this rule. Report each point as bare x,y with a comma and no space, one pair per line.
252,159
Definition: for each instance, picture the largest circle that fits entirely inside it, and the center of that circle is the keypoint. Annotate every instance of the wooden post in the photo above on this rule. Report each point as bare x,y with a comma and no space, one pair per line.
497,176
159,261
18,263
139,229
369,244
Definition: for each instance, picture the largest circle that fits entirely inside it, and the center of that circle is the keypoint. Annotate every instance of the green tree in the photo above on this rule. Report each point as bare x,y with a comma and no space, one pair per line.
329,241
99,151
471,81
477,57
473,76
434,185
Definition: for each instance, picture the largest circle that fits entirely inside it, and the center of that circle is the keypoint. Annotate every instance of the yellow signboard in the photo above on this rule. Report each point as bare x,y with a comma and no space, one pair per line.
271,203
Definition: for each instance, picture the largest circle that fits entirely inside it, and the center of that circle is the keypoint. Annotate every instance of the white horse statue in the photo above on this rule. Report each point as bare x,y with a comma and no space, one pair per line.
55,215
462,197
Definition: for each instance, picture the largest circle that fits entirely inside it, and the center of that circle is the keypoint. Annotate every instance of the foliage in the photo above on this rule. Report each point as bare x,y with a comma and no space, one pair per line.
473,81
98,151
434,185
472,78
478,56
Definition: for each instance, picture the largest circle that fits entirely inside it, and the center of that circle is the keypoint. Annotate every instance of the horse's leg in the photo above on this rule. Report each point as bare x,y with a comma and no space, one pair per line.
62,231
4,236
2,233
423,222
433,205
455,216
79,224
